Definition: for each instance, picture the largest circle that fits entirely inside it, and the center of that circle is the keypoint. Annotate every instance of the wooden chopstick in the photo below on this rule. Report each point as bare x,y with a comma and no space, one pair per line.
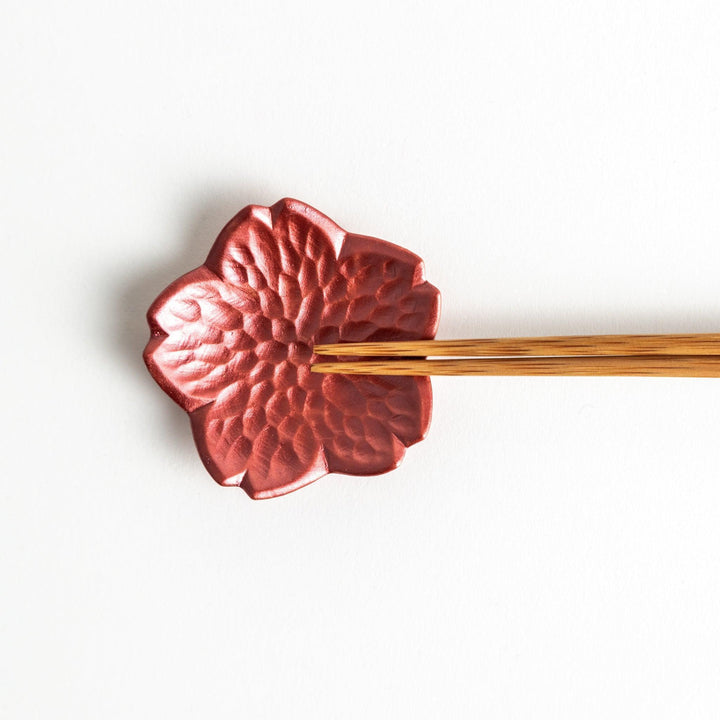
634,365
695,355
580,345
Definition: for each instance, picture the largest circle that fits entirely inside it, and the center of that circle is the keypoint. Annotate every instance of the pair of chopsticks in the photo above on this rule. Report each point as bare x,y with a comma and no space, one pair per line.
696,355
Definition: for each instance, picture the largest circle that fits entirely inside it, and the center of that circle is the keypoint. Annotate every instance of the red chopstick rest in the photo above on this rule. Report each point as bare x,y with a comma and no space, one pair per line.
232,342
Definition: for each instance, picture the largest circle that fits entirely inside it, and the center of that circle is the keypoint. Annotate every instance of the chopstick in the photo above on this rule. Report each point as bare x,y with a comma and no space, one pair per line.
696,355
695,344
634,365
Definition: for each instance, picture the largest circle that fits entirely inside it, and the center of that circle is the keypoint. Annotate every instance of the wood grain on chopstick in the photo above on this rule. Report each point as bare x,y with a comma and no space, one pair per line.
579,345
636,366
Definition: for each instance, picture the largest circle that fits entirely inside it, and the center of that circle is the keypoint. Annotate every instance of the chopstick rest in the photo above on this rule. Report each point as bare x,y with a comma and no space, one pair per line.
232,343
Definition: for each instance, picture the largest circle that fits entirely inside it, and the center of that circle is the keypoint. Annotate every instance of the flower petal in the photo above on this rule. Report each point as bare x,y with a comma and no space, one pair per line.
380,293
285,254
280,465
223,431
203,337
370,420
253,429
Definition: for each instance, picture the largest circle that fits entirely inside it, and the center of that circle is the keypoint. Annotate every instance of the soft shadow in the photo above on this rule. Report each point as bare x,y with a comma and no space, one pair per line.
139,284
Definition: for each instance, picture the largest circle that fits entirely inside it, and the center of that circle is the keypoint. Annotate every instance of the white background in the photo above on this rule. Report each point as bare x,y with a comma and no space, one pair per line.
551,550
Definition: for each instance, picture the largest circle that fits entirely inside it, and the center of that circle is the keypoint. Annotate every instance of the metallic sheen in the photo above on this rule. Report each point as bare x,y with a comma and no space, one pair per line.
232,342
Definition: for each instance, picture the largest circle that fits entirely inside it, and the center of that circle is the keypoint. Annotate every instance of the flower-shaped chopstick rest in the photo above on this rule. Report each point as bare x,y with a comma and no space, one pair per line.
232,342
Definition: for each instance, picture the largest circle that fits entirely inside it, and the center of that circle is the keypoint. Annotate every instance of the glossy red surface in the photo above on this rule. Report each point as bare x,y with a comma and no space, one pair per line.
232,342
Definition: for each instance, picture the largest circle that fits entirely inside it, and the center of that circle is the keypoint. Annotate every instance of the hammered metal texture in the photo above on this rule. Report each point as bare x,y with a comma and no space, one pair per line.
232,342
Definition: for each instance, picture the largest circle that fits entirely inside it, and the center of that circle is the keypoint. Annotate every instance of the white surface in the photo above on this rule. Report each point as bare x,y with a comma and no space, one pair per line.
552,550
